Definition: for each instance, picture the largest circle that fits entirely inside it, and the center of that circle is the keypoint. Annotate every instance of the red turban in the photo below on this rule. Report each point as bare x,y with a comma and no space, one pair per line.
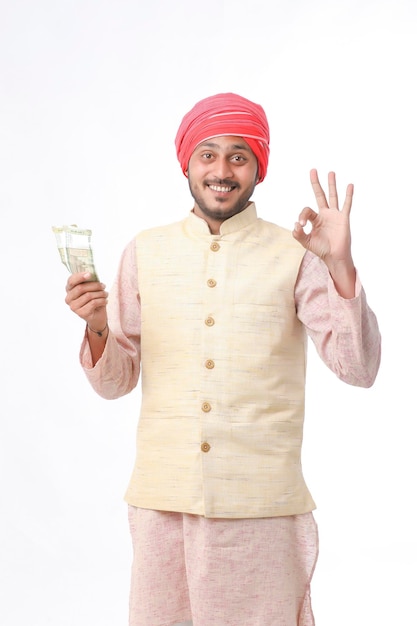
221,115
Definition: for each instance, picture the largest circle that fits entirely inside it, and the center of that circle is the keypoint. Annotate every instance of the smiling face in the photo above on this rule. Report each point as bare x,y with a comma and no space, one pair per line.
222,175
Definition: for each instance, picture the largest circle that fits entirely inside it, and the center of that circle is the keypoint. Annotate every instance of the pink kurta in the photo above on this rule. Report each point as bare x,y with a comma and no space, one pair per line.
231,572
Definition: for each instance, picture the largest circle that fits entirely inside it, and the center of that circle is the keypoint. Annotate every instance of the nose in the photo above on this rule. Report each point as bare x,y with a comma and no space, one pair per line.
222,168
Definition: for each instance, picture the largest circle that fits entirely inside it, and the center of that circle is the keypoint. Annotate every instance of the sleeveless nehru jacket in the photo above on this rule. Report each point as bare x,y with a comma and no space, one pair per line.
223,371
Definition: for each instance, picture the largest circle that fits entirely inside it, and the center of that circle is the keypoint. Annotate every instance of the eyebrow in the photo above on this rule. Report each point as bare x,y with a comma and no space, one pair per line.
234,146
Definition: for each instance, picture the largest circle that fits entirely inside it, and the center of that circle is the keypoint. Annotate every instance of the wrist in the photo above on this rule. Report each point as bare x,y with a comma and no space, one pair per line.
344,278
99,332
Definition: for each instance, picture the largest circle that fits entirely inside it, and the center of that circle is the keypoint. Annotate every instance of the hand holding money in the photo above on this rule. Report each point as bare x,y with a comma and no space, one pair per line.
88,299
85,294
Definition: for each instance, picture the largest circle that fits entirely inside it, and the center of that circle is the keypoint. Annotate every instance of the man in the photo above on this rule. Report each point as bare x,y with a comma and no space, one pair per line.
214,311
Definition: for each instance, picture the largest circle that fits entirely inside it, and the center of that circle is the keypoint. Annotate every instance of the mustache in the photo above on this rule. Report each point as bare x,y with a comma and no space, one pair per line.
222,181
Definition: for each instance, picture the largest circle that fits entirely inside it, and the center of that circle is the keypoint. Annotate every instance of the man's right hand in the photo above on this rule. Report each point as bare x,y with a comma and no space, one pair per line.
88,299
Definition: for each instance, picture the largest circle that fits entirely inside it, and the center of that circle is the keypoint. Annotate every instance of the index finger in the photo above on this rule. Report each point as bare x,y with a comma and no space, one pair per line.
77,278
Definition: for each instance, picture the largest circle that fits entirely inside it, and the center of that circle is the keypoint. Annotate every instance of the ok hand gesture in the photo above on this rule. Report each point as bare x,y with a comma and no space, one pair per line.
330,236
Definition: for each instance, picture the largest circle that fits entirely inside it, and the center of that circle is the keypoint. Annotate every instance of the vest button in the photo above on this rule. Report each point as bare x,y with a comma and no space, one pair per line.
211,282
215,246
209,364
209,321
206,407
205,446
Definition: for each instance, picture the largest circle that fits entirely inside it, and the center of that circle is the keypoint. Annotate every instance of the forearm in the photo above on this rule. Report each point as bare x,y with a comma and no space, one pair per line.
97,341
116,372
344,277
344,330
351,346
112,361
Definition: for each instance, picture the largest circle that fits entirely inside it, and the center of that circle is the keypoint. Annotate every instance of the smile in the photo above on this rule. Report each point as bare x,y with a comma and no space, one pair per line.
221,188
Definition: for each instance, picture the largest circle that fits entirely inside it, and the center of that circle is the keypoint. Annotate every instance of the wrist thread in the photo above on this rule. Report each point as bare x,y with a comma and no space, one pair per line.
98,332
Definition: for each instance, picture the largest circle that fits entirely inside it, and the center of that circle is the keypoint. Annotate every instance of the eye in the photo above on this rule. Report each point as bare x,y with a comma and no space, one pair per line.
238,158
207,155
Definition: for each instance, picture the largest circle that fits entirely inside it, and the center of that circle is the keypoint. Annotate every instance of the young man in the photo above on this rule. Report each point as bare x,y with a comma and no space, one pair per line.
214,311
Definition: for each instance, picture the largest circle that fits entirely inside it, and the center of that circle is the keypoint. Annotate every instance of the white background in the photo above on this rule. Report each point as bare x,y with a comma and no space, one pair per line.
91,95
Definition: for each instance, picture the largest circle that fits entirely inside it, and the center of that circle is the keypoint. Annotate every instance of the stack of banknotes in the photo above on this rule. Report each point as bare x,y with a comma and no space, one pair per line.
74,246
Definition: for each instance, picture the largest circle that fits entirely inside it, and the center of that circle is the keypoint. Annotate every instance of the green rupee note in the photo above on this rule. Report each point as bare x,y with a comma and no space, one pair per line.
74,246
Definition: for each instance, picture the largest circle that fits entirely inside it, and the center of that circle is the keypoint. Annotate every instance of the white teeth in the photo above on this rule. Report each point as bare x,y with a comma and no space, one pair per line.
217,188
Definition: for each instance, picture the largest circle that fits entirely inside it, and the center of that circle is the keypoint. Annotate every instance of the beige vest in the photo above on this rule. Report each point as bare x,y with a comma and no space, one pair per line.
223,371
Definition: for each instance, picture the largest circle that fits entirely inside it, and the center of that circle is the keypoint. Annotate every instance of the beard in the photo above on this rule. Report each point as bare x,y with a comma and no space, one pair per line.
215,210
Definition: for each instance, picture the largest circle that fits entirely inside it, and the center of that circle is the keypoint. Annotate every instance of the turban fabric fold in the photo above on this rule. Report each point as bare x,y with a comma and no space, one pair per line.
222,115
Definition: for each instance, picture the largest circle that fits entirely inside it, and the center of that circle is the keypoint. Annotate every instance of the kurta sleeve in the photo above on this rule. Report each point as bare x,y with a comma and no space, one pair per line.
116,373
345,332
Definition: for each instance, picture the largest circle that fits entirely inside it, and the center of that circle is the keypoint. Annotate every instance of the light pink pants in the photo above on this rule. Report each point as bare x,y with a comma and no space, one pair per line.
221,572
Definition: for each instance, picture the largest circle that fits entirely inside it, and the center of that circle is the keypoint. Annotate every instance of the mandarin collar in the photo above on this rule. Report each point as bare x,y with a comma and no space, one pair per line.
199,226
